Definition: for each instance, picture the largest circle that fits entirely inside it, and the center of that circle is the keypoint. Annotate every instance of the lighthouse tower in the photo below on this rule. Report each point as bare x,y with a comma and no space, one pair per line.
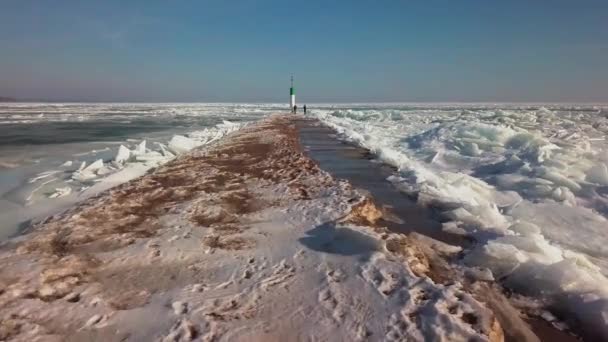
292,95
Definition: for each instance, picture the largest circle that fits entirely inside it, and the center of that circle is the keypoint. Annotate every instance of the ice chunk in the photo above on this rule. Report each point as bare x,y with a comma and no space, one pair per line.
520,141
104,170
525,228
462,215
141,148
477,273
88,173
61,192
598,174
96,165
131,171
534,246
581,260
152,158
180,144
123,155
66,164
558,179
42,175
471,149
483,216
165,151
452,228
564,194
83,176
565,276
501,258
540,153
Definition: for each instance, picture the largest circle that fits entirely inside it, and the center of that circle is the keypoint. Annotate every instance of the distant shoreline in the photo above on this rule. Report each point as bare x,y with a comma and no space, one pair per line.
322,103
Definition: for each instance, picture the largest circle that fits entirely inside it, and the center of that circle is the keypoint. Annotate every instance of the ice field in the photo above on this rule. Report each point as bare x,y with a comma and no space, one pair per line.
528,183
53,155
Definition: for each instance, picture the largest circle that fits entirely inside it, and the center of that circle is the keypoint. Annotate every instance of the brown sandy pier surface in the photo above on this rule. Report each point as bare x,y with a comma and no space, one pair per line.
250,240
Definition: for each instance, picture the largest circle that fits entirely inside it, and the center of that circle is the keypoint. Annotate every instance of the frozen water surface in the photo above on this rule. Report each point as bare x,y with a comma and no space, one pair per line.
52,155
528,182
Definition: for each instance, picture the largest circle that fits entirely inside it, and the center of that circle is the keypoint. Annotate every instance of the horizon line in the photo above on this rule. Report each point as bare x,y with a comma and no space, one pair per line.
286,103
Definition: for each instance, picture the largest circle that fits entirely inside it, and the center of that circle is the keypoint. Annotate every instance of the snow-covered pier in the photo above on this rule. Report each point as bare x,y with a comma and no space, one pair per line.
246,239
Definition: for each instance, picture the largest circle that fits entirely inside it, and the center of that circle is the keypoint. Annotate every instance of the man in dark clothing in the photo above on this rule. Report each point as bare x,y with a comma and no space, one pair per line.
295,109
304,109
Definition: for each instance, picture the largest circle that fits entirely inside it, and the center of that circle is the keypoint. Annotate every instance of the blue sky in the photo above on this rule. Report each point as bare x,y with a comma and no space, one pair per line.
358,50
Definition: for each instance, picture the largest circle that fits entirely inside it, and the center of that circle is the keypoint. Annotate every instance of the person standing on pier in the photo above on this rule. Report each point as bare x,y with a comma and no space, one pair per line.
304,109
295,109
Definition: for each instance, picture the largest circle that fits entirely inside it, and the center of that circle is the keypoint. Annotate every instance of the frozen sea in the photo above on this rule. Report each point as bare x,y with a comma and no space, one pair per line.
42,147
528,182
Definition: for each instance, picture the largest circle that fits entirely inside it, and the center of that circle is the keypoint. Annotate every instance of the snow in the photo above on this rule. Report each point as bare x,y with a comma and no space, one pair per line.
528,184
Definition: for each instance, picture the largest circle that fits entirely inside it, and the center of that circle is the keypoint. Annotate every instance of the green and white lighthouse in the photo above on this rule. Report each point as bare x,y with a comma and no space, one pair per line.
292,95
